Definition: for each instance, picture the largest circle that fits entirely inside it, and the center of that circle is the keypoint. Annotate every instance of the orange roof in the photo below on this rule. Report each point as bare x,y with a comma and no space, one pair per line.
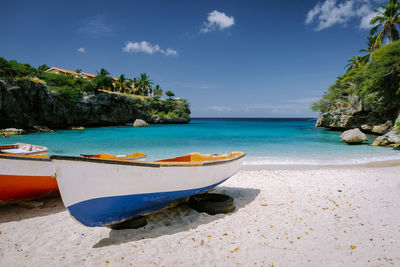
63,70
75,73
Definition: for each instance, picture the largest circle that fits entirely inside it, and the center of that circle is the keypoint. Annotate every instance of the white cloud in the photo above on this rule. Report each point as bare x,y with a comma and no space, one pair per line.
81,50
333,12
95,26
217,20
148,48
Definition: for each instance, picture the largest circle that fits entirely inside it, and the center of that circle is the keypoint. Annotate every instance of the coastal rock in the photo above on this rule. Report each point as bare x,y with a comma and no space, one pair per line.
140,123
12,131
391,138
24,104
354,115
77,128
42,129
366,127
354,136
382,128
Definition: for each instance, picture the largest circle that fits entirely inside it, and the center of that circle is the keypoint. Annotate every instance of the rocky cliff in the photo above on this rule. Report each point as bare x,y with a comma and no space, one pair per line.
356,114
24,104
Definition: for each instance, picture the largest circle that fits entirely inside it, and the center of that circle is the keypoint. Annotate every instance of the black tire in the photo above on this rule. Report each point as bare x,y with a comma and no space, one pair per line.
212,203
133,223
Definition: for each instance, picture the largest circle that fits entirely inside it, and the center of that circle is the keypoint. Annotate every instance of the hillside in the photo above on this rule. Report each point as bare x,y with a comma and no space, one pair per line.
30,97
366,97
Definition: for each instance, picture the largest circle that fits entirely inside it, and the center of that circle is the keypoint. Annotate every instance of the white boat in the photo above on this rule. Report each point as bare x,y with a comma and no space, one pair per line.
99,192
26,172
24,149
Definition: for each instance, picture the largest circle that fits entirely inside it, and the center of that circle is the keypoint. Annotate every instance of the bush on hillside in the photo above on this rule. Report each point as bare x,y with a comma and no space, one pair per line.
376,83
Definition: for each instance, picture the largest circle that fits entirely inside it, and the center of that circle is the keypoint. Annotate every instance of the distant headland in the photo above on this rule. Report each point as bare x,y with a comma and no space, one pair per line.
56,98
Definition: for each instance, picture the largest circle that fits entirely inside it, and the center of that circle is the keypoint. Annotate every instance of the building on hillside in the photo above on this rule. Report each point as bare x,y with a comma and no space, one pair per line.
75,74
84,75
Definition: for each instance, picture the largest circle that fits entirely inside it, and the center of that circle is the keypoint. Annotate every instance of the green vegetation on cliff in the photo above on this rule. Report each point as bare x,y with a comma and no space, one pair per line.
374,78
376,83
135,98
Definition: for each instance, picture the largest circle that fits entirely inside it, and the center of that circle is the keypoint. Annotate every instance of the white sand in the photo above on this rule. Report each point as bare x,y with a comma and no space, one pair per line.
283,217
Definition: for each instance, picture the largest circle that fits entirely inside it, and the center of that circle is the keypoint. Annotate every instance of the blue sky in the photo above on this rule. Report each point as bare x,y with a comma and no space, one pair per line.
228,58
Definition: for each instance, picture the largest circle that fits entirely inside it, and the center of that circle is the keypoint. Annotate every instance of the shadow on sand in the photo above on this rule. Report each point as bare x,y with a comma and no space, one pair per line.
177,219
14,212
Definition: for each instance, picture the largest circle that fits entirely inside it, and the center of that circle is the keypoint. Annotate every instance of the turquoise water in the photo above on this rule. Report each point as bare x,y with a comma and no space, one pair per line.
266,141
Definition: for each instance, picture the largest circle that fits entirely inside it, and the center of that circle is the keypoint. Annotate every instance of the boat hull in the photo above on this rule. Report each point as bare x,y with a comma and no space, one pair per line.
98,194
26,178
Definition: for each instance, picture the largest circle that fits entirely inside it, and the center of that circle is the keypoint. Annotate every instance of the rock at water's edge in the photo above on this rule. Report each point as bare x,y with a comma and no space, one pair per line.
43,129
382,128
140,123
76,128
354,136
391,138
12,131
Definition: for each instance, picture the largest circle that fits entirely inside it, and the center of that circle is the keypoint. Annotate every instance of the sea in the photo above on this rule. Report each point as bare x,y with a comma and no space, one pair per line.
266,141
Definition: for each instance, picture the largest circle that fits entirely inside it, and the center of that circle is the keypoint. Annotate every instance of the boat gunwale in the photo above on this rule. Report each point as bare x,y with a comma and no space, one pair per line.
153,164
24,157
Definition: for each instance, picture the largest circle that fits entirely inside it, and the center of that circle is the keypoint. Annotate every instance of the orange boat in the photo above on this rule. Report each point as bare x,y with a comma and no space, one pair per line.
26,172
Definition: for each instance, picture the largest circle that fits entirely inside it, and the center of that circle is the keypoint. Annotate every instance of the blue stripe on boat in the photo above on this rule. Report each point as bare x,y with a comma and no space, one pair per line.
108,210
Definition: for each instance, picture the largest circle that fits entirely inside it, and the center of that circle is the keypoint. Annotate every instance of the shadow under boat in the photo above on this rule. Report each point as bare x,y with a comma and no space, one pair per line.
16,211
177,219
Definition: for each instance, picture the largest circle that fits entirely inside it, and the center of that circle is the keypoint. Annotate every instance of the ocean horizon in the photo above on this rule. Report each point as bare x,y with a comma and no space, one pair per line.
266,141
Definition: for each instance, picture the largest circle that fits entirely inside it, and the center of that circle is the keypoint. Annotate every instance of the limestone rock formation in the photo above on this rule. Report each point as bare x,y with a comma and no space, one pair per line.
382,128
42,129
355,115
140,123
25,104
391,138
354,136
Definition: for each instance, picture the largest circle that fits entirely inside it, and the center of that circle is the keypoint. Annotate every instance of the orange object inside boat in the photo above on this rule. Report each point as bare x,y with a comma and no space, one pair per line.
109,156
197,157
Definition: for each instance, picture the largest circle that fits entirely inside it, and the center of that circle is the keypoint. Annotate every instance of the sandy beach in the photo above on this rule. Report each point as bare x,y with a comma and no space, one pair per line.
293,217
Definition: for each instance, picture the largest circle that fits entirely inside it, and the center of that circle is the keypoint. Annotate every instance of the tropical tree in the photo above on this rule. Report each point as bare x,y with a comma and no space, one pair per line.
385,22
370,48
134,86
121,83
354,63
103,80
144,84
43,68
78,70
169,94
157,92
6,69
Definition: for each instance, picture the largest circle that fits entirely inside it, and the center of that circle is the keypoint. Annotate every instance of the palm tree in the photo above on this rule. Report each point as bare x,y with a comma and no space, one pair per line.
134,86
386,20
144,84
370,48
157,92
121,83
169,94
103,80
354,63
43,68
78,70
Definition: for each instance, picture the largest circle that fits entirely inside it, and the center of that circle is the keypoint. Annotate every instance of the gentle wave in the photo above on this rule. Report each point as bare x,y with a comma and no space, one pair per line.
302,161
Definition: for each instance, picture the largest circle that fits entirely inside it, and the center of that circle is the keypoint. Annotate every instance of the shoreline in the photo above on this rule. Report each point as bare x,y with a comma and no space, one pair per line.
373,164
